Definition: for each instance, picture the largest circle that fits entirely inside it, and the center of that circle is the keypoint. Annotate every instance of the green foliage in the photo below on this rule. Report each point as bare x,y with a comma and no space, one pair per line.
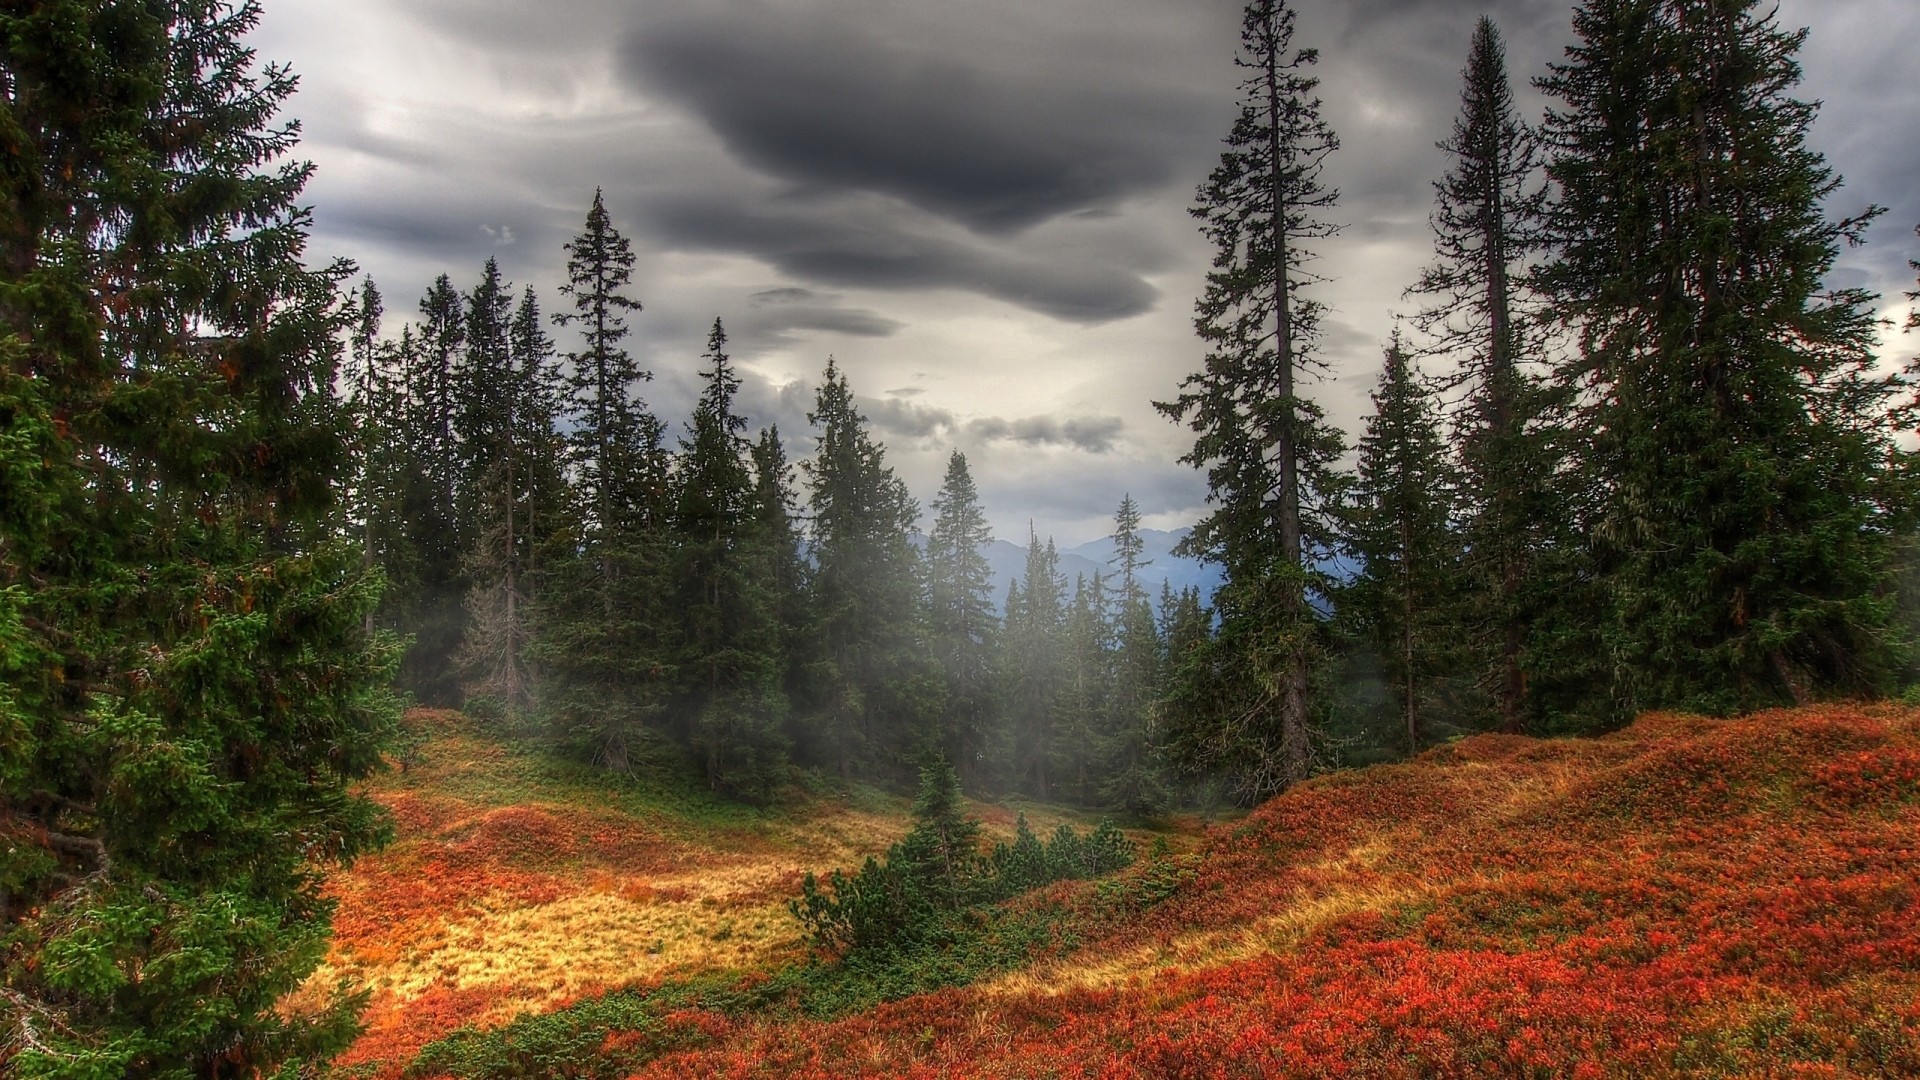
923,894
191,685
1267,450
1734,434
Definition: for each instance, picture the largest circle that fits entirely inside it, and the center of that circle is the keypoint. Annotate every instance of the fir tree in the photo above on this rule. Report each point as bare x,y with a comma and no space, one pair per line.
1487,227
870,678
1267,449
606,637
188,692
960,611
1034,661
1401,531
1131,778
518,488
618,442
729,641
778,563
1735,439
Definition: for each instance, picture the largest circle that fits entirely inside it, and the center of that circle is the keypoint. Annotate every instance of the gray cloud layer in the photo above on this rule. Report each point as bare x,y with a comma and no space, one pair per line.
994,192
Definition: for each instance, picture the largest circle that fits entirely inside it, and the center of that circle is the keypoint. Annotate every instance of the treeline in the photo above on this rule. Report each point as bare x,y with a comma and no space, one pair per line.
1653,462
1650,463
565,561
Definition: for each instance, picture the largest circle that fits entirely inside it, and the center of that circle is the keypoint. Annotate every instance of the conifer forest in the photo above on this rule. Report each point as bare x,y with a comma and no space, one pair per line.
394,681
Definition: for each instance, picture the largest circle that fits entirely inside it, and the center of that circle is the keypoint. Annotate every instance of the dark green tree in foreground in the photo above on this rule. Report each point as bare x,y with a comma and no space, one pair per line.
1402,533
1247,706
1480,313
1736,438
187,684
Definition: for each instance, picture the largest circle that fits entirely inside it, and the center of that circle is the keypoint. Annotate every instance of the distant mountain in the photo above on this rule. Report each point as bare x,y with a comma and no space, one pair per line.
1009,563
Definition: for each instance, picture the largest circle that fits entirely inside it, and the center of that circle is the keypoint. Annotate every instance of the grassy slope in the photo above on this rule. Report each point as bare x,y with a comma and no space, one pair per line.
1687,897
519,884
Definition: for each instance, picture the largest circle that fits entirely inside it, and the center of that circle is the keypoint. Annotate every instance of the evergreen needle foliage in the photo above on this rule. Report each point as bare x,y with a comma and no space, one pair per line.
188,685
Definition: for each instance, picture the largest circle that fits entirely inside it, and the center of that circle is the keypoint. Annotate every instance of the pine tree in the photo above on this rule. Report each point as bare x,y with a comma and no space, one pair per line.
188,692
1735,435
1080,710
1402,535
870,679
1131,777
377,406
618,442
606,626
431,605
1034,663
729,641
779,566
483,403
517,490
1267,450
1487,228
960,612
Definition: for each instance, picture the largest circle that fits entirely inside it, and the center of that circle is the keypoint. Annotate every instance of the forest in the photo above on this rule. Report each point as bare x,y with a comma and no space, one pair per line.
1631,453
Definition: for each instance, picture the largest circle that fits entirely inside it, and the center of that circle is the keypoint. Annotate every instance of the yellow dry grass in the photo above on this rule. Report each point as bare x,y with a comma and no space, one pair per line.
1284,929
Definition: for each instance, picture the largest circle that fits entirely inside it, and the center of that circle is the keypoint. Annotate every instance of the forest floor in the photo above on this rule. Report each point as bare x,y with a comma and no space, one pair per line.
1687,897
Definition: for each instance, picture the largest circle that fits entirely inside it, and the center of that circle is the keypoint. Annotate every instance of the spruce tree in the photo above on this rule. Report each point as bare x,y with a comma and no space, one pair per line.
729,640
432,613
188,691
871,680
779,566
1735,435
606,631
1402,533
1267,449
1034,663
960,612
517,493
1487,228
1130,773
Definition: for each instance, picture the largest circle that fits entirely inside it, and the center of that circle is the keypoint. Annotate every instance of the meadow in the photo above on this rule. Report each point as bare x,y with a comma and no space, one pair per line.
1687,897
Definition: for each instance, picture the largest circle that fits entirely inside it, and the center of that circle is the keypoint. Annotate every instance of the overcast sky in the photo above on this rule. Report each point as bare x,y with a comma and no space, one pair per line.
980,208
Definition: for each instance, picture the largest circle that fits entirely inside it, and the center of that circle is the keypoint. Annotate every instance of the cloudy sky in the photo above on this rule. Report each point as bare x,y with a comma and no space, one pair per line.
979,208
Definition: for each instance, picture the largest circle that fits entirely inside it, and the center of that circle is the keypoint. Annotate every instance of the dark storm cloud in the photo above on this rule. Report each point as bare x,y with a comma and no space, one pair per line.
905,418
857,245
1093,434
837,98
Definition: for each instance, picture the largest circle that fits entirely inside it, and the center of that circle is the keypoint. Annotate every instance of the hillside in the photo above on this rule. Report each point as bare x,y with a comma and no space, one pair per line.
518,884
1686,897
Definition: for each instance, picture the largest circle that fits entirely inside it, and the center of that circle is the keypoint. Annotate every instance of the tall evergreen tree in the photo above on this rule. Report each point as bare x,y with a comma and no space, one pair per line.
779,565
484,404
1267,449
515,474
1131,777
1402,532
729,641
871,680
377,406
1746,490
607,632
1487,229
960,611
430,603
1034,664
618,442
188,693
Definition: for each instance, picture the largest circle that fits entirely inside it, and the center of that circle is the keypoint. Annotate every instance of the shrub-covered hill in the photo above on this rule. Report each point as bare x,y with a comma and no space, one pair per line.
518,884
1688,897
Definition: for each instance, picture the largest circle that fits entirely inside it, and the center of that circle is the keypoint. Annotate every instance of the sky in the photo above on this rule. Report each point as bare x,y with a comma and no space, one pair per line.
979,208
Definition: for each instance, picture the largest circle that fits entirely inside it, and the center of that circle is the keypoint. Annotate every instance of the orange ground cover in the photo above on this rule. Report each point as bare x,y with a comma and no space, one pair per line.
1688,897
